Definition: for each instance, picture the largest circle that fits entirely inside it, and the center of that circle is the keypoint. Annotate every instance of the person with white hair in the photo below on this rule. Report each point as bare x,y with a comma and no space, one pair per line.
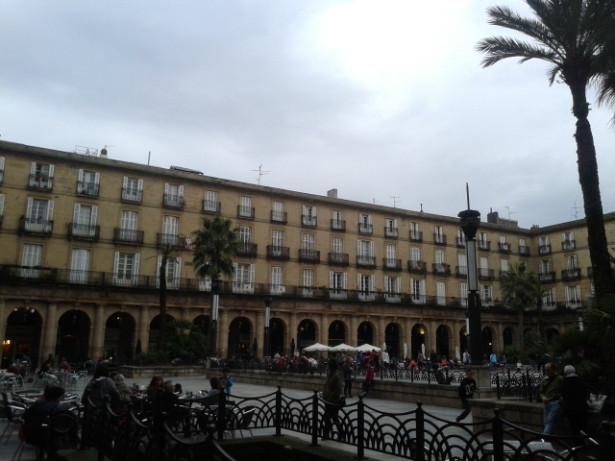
574,400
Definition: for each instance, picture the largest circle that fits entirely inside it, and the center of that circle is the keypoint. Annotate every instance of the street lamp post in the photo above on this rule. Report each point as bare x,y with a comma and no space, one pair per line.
266,346
470,220
213,330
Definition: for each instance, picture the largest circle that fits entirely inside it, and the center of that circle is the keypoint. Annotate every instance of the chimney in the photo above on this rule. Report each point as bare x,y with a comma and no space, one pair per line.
332,193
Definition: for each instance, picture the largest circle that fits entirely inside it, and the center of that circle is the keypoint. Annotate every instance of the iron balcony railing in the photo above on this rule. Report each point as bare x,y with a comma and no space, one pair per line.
441,269
391,264
87,188
571,274
504,247
245,212
83,231
568,245
544,249
366,229
247,249
173,201
439,239
309,256
338,259
416,236
524,250
279,216
131,195
366,261
391,232
484,245
338,225
461,271
279,253
461,242
417,267
486,274
308,221
121,235
211,206
546,277
36,226
41,182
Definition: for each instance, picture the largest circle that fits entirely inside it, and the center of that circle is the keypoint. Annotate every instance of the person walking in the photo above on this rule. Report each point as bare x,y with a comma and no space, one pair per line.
550,393
574,400
227,381
347,375
467,388
369,378
331,394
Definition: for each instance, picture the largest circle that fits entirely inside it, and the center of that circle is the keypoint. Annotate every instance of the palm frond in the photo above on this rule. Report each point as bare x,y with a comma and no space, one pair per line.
498,48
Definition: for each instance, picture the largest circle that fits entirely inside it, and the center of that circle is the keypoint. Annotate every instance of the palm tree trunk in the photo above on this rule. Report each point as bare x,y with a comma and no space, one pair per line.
163,303
592,202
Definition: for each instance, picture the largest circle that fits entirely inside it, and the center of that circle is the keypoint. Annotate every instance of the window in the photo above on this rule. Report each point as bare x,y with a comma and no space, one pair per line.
415,233
463,294
440,266
441,293
277,212
79,265
461,238
568,242
571,262
337,285
132,190
523,249
390,229
392,290
545,270
170,231
365,251
126,269
210,202
307,279
243,278
417,291
245,234
573,296
483,270
84,221
503,245
1,207
337,245
245,207
549,297
308,218
41,176
504,266
277,281
277,242
337,220
365,224
486,295
390,261
31,256
128,226
438,235
39,216
1,169
173,272
415,263
366,287
173,196
483,243
462,265
307,241
88,183
544,247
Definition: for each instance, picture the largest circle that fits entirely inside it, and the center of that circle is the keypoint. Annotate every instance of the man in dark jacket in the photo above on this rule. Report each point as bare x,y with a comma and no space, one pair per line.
467,388
574,400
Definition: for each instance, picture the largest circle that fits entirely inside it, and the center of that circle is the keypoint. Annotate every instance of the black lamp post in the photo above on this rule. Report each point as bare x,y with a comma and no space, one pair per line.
216,286
266,345
470,219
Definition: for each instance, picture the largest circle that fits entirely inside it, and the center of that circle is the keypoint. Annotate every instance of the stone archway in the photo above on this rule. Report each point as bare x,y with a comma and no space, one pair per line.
277,333
306,333
22,337
73,336
418,340
154,331
443,347
337,333
240,333
119,337
508,336
365,334
391,339
487,342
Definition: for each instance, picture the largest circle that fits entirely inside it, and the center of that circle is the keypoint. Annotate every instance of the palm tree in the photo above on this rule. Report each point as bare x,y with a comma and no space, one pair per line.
572,36
215,245
521,290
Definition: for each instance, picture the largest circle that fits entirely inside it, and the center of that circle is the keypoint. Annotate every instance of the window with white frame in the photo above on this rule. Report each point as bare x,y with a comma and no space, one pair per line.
128,226
173,272
1,169
245,234
245,207
392,288
573,296
337,284
483,270
417,291
571,262
463,294
277,212
277,242
441,293
549,299
170,230
391,256
307,279
88,183
390,229
483,241
308,218
440,266
210,202
337,245
462,264
568,242
174,195
337,220
41,176
366,287
461,238
503,243
39,215
523,249
438,234
307,241
277,281
31,257
415,233
79,265
365,251
126,269
486,295
504,266
1,206
243,278
544,246
84,220
132,189
365,224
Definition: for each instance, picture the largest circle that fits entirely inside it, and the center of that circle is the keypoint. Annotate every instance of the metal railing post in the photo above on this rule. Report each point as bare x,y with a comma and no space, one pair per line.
278,411
498,437
315,419
420,432
360,431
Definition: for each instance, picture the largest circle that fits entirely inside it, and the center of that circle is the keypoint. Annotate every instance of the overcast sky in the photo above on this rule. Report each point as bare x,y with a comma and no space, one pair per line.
378,99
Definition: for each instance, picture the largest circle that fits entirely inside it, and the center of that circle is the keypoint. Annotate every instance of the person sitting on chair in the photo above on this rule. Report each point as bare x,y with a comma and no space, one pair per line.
37,416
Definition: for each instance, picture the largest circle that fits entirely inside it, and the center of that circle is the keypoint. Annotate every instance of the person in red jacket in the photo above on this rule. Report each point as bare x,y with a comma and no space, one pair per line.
369,378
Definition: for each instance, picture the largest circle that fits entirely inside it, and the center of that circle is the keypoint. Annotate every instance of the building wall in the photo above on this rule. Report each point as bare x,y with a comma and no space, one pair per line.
52,295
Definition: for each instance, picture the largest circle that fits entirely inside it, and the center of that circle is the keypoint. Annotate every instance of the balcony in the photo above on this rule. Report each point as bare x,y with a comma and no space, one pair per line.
88,189
461,242
504,247
245,212
484,245
486,274
338,225
278,253
391,232
163,240
366,229
461,271
174,201
416,236
417,267
131,236
568,245
571,274
132,195
247,250
280,217
309,256
35,226
40,182
1,175
524,250
544,249
211,207
308,221
368,262
83,231
441,269
439,239
391,264
546,277
338,259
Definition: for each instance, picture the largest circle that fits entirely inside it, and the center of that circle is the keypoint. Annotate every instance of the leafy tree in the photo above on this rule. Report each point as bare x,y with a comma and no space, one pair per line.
521,290
186,342
576,38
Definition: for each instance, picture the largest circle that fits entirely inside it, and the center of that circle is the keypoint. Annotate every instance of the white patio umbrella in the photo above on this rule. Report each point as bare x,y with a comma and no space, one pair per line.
343,348
317,347
368,348
405,351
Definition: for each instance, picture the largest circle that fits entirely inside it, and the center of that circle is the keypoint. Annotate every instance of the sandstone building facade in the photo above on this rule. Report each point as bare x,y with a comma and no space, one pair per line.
81,237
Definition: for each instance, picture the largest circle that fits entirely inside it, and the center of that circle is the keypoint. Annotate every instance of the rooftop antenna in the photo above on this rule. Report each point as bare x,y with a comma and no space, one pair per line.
261,172
576,210
395,200
509,212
